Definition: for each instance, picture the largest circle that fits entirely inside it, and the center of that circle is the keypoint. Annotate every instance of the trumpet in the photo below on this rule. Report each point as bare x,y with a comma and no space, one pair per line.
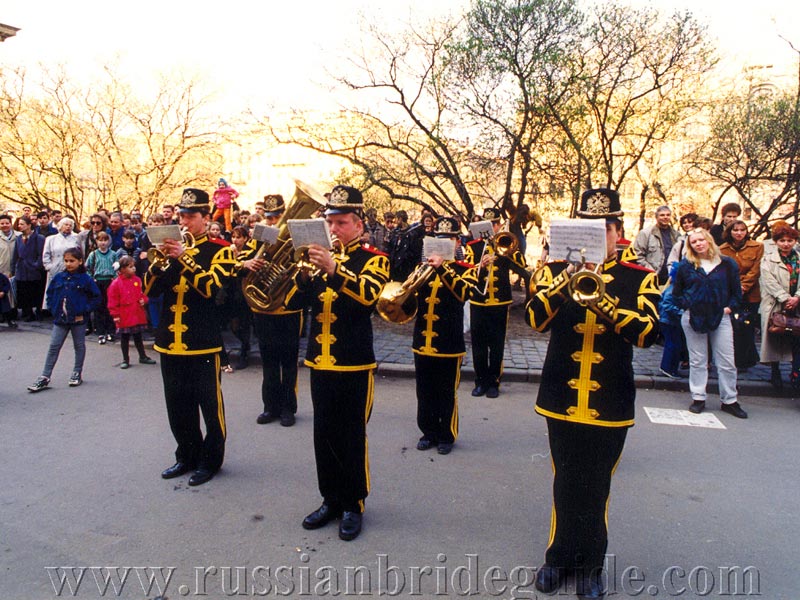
158,258
304,264
586,286
504,243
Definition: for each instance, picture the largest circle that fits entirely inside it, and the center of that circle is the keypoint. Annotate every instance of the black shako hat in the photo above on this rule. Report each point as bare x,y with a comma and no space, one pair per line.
491,214
273,205
600,203
446,227
194,200
345,199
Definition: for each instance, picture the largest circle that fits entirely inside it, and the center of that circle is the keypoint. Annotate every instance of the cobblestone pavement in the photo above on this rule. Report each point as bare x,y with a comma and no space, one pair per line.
524,356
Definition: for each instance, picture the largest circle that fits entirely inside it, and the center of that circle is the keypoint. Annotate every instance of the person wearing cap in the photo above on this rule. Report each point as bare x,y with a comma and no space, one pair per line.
278,333
438,343
224,197
587,394
189,340
489,302
341,358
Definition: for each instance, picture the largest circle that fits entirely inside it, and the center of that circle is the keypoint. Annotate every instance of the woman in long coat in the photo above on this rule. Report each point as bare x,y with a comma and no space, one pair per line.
780,270
54,248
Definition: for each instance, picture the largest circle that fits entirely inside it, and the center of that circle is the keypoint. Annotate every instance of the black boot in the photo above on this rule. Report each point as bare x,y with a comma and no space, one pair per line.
775,378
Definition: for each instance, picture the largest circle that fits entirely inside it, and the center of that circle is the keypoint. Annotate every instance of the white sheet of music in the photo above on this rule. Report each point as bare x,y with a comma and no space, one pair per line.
570,239
266,233
481,230
309,231
444,247
158,233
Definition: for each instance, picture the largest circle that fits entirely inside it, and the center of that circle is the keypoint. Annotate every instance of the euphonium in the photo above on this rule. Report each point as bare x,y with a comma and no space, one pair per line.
265,289
398,301
160,260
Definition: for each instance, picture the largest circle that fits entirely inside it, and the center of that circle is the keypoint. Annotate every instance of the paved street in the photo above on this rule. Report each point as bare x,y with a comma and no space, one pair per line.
690,506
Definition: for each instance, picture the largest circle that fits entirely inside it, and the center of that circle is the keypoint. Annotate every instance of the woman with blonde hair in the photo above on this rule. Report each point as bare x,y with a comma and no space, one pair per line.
708,289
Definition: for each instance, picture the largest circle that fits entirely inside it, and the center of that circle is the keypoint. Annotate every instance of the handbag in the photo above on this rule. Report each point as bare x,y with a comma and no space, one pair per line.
781,322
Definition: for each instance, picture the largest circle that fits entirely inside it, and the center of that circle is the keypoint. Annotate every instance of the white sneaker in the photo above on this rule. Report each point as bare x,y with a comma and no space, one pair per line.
41,383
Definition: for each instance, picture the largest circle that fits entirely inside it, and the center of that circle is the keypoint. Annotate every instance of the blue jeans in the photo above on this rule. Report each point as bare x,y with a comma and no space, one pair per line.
57,339
673,347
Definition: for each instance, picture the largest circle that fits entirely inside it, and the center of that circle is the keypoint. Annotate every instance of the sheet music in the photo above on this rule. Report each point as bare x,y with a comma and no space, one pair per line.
444,247
481,230
266,233
309,231
158,233
568,237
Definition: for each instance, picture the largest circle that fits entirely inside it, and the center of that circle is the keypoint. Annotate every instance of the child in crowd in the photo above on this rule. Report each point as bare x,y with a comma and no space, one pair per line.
100,265
224,198
71,296
126,302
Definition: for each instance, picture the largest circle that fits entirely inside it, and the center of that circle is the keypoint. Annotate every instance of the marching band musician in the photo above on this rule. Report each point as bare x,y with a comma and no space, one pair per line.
189,339
278,333
489,303
341,357
438,344
587,394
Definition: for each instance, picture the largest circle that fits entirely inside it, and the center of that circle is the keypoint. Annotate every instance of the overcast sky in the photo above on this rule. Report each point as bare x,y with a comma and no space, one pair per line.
270,51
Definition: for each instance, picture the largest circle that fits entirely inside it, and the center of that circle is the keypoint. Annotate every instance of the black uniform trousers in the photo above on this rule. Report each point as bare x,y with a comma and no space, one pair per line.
437,396
488,331
584,459
192,386
342,406
279,344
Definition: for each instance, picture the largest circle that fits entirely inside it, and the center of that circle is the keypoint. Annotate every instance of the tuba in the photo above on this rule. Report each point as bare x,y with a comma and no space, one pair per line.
398,301
265,289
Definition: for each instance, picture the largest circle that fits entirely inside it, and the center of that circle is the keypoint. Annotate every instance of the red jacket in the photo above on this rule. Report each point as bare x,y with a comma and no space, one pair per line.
123,302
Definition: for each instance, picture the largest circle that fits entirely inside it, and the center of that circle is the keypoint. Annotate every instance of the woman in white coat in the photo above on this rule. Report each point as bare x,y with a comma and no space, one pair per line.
780,271
54,248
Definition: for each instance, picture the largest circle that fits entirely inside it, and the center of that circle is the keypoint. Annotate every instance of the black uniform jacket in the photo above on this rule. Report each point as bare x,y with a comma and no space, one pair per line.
189,321
439,328
498,290
341,307
588,373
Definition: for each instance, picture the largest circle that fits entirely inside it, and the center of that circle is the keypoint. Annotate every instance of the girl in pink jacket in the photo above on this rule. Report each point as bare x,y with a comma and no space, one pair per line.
126,302
224,197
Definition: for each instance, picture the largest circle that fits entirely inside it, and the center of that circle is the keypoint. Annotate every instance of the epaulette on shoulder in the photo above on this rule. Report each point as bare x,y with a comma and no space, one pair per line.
474,242
465,264
372,249
219,242
636,266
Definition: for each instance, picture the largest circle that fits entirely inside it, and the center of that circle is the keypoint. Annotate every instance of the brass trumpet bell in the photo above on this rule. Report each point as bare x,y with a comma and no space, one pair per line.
398,301
160,260
586,286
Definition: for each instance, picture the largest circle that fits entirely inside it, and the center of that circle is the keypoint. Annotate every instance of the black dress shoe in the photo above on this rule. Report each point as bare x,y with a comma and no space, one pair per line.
350,526
697,407
735,409
549,579
287,420
201,476
424,444
493,391
265,417
176,470
322,516
444,448
479,390
591,586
